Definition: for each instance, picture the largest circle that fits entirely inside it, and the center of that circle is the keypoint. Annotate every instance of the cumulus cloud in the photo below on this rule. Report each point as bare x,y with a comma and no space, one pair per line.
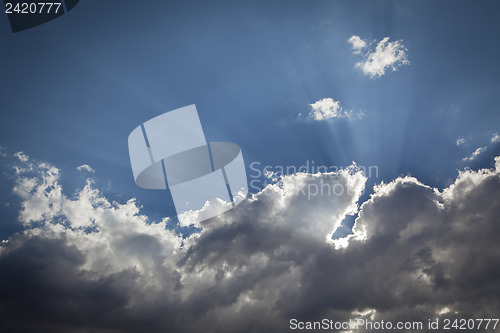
475,154
386,55
357,44
85,167
460,141
495,138
87,264
327,108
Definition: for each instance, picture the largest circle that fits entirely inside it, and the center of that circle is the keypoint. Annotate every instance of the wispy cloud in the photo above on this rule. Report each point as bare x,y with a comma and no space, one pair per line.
387,55
474,154
21,156
495,138
85,167
460,141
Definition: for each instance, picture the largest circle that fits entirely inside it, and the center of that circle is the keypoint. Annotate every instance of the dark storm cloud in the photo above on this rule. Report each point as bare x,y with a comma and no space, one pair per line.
416,252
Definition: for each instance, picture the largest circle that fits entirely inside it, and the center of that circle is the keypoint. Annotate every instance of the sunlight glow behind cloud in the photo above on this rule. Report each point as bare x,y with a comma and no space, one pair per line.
268,258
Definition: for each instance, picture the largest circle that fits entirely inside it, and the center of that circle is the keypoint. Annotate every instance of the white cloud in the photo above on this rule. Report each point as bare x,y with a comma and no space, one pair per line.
85,167
356,43
474,154
21,156
387,55
328,108
41,193
85,263
495,138
460,141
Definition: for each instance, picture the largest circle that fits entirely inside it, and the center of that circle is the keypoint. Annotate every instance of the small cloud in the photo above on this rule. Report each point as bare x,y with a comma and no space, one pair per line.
2,152
357,44
387,55
360,114
495,138
474,154
328,108
21,156
273,176
460,141
444,310
85,167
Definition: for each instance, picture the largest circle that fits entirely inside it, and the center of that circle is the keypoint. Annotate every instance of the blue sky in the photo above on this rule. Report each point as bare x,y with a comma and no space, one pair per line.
74,88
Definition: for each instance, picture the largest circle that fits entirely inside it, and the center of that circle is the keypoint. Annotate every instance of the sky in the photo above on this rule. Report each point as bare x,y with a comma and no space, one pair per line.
406,91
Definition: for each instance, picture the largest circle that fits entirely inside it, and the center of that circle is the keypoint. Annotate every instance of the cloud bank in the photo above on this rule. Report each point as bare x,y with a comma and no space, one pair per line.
84,263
